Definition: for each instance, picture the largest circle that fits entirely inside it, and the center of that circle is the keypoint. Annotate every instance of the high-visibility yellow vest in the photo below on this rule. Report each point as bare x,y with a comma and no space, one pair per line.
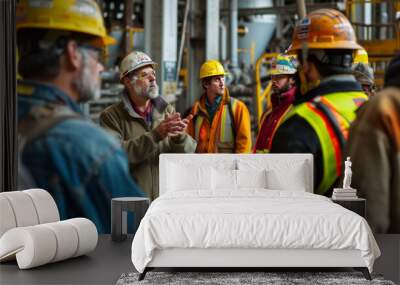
330,116
226,135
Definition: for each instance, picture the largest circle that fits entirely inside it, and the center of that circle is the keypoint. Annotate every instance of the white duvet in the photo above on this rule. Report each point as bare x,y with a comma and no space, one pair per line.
253,218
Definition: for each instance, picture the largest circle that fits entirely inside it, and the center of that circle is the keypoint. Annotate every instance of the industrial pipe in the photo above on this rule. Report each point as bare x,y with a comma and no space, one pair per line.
234,36
301,8
183,37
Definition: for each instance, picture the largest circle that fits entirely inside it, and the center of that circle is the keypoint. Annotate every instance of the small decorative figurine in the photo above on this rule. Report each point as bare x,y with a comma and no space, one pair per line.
347,174
347,192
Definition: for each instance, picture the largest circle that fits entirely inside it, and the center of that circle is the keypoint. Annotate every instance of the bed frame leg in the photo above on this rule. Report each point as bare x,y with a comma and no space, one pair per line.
143,274
364,271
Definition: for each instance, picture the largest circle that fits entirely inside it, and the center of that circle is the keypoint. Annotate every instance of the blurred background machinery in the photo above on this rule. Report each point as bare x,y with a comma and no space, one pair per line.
243,34
376,23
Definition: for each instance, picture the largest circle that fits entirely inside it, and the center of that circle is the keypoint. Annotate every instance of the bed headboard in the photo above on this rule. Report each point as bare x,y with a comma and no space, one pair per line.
289,167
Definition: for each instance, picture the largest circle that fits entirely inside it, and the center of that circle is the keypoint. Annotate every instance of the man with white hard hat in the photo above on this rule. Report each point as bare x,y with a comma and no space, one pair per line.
145,124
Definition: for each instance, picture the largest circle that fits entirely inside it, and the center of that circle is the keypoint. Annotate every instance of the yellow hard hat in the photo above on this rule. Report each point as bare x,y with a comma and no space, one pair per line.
324,29
361,56
211,67
81,16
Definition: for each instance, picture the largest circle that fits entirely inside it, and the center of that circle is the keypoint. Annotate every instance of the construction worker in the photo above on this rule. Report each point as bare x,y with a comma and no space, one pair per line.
144,123
80,164
283,80
363,72
328,96
374,148
220,124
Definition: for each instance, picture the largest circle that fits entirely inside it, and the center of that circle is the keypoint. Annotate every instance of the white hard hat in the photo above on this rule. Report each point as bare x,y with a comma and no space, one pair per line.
133,61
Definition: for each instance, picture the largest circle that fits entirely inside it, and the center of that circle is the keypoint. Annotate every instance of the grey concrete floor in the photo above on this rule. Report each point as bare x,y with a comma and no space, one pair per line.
106,264
389,262
102,266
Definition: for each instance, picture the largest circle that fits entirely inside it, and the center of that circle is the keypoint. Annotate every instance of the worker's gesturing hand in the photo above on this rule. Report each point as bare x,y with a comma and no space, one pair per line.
172,125
184,124
181,127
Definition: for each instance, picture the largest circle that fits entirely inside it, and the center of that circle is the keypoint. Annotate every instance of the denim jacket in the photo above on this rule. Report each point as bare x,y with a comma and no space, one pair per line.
80,165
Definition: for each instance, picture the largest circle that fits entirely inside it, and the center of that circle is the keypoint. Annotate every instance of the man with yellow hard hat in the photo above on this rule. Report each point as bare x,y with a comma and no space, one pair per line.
328,96
363,72
220,124
82,166
144,122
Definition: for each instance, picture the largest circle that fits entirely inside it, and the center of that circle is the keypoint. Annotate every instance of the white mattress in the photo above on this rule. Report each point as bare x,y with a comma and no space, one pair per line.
252,218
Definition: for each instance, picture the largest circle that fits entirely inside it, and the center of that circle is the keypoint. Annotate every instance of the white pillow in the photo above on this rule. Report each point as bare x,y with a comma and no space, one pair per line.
224,179
182,178
251,178
280,174
292,179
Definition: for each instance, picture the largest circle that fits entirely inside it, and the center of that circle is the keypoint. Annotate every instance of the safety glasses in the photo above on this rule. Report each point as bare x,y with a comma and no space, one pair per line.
97,54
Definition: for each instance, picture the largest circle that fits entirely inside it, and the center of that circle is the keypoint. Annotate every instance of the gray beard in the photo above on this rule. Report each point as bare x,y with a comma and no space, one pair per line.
149,93
152,93
87,88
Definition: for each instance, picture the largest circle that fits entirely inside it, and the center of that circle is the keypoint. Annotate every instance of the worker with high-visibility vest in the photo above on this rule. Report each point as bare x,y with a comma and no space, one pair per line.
328,96
221,123
283,80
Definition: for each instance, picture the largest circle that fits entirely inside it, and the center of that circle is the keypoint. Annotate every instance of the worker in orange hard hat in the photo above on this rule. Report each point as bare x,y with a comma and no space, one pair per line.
220,123
83,167
328,96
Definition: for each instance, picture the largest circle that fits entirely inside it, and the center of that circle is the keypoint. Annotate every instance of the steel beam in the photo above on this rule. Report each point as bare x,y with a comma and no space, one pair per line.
212,29
282,10
161,18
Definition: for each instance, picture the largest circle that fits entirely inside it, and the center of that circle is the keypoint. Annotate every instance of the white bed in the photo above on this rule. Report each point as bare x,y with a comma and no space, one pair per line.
257,210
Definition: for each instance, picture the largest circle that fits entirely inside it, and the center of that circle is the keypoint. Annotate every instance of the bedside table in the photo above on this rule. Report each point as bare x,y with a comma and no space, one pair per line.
357,205
119,208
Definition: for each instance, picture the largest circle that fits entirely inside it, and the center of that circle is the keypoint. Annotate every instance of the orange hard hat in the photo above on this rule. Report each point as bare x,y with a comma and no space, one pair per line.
324,29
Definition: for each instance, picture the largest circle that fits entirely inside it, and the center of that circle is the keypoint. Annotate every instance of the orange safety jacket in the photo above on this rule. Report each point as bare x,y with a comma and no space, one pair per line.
229,131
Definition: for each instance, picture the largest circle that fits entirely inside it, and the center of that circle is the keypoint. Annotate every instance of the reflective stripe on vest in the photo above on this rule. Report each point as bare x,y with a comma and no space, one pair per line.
226,131
330,117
